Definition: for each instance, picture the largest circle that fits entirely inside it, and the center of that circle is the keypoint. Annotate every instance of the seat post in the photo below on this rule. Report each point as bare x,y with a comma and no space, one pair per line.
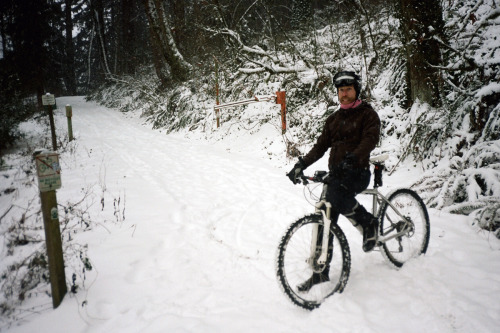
375,202
377,171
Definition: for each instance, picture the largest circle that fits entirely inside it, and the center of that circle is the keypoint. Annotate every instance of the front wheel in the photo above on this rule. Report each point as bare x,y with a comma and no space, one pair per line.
403,217
297,262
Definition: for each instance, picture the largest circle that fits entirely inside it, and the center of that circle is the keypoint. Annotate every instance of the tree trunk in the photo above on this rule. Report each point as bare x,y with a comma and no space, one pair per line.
3,36
179,20
160,63
421,21
165,50
69,61
98,17
127,59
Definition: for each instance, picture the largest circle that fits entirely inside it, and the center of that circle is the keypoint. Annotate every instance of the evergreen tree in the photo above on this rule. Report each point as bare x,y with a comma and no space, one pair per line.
32,44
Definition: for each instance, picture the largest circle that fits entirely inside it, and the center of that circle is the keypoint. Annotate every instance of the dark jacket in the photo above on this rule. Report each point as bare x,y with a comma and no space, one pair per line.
354,130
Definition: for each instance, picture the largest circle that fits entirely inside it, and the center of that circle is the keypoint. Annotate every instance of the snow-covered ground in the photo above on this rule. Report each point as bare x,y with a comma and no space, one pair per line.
192,245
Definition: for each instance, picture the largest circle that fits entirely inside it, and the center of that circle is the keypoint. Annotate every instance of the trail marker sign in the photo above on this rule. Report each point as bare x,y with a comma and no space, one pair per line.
48,171
48,99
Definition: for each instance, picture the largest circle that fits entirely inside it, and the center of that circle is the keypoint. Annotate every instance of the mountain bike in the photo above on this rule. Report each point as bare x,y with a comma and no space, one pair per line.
306,248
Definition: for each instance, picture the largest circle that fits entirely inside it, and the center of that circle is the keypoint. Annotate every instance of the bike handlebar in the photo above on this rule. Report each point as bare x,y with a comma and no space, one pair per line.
323,176
319,177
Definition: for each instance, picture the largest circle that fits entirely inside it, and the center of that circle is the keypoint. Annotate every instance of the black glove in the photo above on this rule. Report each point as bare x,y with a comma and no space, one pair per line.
296,172
349,161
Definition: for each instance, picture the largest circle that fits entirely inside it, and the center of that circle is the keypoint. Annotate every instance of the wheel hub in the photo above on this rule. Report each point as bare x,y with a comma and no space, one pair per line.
408,227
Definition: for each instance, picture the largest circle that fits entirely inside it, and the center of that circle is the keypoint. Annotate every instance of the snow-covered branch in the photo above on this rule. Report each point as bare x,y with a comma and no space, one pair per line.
266,61
471,63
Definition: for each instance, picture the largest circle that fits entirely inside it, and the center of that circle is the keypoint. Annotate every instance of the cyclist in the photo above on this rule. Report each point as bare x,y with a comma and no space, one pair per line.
351,133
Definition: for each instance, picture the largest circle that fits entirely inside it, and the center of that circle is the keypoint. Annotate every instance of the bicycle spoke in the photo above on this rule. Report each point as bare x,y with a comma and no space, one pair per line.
294,266
407,216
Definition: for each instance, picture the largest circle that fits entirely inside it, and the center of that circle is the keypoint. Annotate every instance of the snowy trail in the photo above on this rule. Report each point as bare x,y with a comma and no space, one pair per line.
196,250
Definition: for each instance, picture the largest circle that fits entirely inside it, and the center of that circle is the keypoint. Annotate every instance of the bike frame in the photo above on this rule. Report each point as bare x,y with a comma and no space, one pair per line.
324,207
375,193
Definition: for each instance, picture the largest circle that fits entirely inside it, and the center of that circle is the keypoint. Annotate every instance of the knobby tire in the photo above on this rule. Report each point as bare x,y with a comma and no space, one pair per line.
292,267
401,249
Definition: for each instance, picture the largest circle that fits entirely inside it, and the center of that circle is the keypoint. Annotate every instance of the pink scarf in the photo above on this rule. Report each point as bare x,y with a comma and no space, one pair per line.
352,105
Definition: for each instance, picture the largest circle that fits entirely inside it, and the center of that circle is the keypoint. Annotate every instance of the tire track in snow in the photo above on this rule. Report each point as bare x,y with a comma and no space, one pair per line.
209,191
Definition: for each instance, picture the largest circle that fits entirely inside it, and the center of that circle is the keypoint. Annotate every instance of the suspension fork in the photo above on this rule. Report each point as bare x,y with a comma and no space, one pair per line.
325,209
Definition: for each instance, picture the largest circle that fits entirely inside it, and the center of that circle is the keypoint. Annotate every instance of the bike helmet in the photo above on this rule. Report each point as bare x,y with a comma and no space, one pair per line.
347,78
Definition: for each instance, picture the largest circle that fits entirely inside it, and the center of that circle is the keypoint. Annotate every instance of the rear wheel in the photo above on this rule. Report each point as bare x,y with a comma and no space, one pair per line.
406,214
296,264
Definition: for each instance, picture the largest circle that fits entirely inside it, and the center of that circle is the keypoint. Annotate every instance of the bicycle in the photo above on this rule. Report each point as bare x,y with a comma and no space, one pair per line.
305,248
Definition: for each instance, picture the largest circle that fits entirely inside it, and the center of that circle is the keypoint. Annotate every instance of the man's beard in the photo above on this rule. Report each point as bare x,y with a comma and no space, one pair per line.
347,100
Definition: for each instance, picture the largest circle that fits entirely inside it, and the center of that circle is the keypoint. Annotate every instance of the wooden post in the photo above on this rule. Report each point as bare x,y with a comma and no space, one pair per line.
69,114
54,246
52,127
49,100
49,179
281,99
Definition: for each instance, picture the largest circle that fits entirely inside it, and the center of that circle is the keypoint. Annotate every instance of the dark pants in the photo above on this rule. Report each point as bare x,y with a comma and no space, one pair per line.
342,190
